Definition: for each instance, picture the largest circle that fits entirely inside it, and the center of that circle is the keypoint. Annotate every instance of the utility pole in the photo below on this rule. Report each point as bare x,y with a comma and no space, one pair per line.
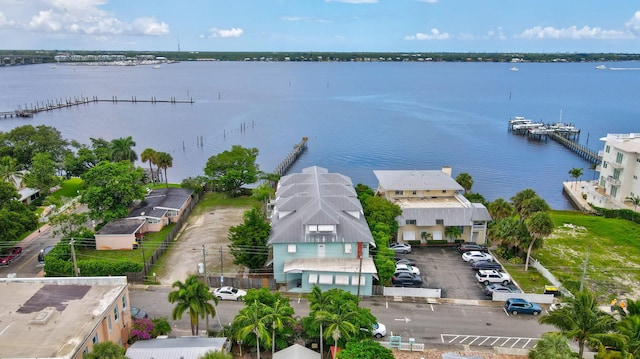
206,281
584,270
76,272
221,268
144,260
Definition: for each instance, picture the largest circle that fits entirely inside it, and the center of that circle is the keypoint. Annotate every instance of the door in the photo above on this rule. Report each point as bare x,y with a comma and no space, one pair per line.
321,250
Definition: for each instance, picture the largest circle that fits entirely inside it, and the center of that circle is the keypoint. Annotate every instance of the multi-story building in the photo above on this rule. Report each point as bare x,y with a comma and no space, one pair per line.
431,201
319,235
619,171
62,317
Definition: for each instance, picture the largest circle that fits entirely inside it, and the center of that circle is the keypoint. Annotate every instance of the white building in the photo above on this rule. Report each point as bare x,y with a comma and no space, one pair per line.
619,171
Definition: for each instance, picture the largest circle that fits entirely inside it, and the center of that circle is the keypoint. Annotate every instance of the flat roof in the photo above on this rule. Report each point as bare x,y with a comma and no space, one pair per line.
51,317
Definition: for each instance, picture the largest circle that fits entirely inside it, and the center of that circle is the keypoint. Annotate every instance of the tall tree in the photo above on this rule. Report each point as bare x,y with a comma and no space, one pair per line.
581,319
151,156
365,349
192,296
121,149
110,188
23,142
15,217
164,161
464,179
499,209
635,201
519,200
230,170
629,328
278,315
249,239
10,171
43,173
253,321
539,226
575,173
340,327
533,205
106,350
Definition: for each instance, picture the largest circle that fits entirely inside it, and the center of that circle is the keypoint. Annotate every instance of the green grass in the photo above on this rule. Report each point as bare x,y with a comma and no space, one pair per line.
213,200
613,247
69,189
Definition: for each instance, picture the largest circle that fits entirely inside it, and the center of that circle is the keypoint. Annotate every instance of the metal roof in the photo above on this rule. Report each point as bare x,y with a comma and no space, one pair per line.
392,180
450,216
174,348
316,196
158,201
346,265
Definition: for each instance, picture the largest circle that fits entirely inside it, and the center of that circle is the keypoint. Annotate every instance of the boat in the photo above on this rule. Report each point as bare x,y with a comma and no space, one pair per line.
156,66
601,67
514,68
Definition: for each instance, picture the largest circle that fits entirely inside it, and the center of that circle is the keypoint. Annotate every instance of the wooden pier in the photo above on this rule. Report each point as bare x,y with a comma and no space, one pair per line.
298,149
49,105
581,150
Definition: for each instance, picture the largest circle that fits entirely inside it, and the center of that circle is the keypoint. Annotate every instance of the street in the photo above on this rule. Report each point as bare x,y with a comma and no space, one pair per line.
451,324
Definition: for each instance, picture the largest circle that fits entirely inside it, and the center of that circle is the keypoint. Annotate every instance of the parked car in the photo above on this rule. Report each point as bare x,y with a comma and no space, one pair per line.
474,256
493,276
43,252
470,246
408,261
137,313
405,278
379,330
229,293
520,306
407,268
478,265
556,306
403,248
8,255
500,288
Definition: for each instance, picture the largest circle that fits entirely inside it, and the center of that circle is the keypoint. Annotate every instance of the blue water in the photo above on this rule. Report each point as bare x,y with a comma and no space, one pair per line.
358,116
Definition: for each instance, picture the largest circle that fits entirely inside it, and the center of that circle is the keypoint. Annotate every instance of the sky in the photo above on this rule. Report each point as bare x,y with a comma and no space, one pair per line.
543,26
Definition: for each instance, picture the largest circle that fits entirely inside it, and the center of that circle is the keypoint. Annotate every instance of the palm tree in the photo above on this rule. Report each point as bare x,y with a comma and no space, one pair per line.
575,173
9,171
539,226
150,155
629,328
121,150
193,296
278,316
340,327
635,200
453,232
583,321
164,161
551,346
533,205
319,303
252,321
520,199
216,355
106,349
499,208
465,180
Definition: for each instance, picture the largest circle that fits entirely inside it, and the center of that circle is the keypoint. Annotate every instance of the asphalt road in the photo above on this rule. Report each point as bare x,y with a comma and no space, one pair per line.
434,324
27,266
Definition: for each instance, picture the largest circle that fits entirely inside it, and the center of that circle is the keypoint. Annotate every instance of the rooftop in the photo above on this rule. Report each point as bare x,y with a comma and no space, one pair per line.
51,317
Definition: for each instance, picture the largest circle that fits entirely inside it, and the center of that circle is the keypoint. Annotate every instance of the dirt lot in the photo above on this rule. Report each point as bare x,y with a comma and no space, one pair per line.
209,229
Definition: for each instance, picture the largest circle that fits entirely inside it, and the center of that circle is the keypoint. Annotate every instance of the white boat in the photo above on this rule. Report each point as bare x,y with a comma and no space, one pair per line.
601,67
514,68
519,120
156,66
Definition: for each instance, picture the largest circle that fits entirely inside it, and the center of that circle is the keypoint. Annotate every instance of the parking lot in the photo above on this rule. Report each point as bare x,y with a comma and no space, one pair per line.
443,267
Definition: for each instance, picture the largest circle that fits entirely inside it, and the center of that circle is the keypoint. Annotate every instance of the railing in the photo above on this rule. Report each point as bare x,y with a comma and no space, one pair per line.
613,181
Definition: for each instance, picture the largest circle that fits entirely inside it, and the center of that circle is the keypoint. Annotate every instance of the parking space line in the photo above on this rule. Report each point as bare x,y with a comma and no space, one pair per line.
484,340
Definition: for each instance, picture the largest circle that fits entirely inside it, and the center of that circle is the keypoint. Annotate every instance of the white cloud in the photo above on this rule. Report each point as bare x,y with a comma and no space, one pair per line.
354,1
4,22
434,34
233,32
149,26
573,32
634,24
429,1
304,19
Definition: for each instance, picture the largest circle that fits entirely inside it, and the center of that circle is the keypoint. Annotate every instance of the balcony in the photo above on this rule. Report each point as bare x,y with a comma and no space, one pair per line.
616,165
613,181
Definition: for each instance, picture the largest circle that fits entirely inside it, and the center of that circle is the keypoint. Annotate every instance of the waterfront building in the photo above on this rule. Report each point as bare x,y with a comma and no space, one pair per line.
619,171
319,235
431,201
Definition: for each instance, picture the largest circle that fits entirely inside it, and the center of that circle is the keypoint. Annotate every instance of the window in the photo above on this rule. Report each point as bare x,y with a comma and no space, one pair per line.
116,314
313,278
153,220
614,191
95,339
342,280
439,221
325,279
616,174
607,148
291,248
602,181
124,302
347,248
354,280
399,193
312,228
619,158
326,228
414,193
444,191
109,322
604,164
410,221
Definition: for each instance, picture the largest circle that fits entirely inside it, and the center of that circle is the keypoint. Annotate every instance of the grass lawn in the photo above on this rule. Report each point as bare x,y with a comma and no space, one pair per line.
613,247
69,188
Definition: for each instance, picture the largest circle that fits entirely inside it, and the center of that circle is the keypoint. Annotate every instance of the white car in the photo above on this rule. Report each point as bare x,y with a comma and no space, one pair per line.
492,276
407,268
229,293
474,256
379,330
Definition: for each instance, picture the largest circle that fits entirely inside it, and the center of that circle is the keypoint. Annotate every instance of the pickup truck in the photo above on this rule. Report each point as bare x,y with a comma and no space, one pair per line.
7,255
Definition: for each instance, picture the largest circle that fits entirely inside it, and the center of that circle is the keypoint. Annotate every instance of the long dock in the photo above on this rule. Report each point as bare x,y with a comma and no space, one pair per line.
49,105
581,150
298,149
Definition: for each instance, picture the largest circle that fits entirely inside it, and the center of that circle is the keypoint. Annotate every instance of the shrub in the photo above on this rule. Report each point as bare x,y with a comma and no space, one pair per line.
516,260
438,242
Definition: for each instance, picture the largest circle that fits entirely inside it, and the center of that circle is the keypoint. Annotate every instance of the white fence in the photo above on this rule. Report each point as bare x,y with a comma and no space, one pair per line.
531,297
412,292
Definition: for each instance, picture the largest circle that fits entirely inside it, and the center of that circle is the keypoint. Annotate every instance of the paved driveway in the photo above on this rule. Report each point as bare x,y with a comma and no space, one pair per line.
443,267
